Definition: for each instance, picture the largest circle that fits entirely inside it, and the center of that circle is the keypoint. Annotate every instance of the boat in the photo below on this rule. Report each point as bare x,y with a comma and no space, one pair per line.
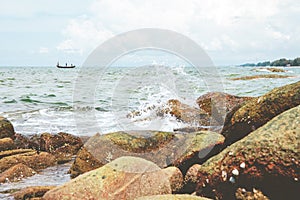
65,66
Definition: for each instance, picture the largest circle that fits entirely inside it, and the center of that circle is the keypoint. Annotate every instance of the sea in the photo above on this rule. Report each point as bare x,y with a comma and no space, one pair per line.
49,99
85,101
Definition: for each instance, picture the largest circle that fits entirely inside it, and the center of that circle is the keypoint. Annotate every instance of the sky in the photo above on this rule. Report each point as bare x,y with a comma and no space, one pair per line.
232,32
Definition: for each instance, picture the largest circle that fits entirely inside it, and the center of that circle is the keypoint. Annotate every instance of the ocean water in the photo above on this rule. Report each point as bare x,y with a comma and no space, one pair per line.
45,99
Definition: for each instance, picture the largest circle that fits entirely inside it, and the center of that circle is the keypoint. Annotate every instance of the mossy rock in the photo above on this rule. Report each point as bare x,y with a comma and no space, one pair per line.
255,113
162,148
267,159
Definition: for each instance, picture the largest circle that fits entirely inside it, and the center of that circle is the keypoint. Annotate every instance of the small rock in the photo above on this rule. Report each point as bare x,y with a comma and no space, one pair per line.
32,192
242,194
6,128
16,173
32,159
6,144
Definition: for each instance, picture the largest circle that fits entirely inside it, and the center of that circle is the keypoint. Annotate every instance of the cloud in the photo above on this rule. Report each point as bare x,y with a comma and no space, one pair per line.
229,25
43,50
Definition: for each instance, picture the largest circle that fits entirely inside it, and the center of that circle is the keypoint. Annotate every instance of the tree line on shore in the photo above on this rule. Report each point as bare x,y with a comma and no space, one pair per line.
279,62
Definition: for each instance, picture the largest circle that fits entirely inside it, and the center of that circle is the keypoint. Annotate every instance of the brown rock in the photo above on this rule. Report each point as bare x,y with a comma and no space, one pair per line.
16,173
220,101
123,178
162,148
186,113
62,145
267,159
84,162
6,128
32,159
34,192
14,152
6,144
172,197
256,112
175,178
261,76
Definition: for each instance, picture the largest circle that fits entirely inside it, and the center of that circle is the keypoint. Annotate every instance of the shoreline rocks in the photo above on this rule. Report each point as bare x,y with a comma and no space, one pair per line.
267,159
261,76
163,148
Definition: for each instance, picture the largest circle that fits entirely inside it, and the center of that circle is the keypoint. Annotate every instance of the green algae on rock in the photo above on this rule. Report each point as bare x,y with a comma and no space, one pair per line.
162,148
255,113
267,159
123,178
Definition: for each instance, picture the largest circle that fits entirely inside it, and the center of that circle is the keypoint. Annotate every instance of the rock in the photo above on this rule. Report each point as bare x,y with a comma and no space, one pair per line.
273,69
123,178
6,128
175,178
6,144
220,101
255,113
84,162
172,197
31,193
32,159
16,173
162,148
267,159
242,194
182,112
261,76
14,152
186,113
62,145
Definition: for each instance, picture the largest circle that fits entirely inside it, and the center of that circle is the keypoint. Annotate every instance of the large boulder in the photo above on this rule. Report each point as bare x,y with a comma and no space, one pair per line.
6,128
267,159
162,148
33,159
123,178
255,113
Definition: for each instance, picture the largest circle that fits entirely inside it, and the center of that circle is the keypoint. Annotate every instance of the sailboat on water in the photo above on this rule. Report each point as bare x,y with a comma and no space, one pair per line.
64,66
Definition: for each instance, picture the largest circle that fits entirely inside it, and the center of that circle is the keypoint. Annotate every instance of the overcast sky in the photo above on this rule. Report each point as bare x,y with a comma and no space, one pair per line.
40,32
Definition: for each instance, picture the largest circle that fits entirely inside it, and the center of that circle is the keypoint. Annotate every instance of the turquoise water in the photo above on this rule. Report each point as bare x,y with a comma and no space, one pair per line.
40,99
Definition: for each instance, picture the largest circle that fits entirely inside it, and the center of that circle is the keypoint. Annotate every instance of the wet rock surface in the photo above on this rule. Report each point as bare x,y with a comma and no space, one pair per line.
162,148
267,159
31,193
123,178
6,128
256,112
242,194
16,173
31,158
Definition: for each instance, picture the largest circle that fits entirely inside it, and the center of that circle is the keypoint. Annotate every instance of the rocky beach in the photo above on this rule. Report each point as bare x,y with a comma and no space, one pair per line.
255,155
